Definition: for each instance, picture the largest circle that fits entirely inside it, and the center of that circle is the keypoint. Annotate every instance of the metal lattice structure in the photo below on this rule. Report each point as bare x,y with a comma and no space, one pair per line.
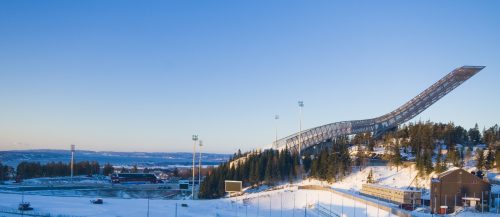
385,122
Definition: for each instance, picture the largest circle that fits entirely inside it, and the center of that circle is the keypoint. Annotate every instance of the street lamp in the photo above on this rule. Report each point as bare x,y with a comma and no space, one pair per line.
199,167
276,117
195,138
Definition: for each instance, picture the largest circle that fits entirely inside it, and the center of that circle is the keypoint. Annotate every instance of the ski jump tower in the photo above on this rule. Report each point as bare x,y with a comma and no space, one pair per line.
379,125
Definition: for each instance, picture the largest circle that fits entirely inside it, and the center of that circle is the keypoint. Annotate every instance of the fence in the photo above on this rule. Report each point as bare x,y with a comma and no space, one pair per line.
326,212
392,210
30,213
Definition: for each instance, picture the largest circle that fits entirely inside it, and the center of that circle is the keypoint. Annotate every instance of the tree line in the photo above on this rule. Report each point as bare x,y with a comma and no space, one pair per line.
427,141
254,168
331,163
27,170
272,167
5,172
424,140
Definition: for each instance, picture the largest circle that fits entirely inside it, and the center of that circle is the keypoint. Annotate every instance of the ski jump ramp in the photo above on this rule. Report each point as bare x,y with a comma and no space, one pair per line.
379,125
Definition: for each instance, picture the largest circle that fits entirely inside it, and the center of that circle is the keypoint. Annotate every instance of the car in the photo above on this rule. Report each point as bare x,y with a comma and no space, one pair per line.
97,201
25,206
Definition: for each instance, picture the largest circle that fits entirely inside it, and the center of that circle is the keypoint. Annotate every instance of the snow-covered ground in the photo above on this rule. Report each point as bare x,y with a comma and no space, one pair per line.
288,202
403,177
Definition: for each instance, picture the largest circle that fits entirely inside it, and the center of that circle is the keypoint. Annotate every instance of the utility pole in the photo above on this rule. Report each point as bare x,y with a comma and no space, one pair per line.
281,207
270,206
175,209
342,206
258,203
331,199
482,200
354,206
148,206
195,138
317,204
305,208
199,167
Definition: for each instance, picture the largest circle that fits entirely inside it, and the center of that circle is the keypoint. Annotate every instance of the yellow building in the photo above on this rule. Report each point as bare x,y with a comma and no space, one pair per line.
393,195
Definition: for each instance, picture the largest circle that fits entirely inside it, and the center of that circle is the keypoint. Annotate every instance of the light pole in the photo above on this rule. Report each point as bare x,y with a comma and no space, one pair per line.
276,117
199,167
195,138
72,160
301,105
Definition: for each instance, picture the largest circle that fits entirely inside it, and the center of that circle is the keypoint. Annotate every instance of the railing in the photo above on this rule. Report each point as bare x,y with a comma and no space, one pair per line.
392,210
29,213
326,212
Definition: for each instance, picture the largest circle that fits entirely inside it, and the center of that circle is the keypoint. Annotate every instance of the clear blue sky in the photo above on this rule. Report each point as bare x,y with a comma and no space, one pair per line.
146,75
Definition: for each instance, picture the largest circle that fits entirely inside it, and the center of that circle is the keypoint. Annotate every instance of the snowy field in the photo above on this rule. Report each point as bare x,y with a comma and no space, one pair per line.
287,202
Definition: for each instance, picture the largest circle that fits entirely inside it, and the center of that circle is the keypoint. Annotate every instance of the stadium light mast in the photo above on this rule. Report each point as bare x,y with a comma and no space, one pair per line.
301,105
276,117
199,167
195,138
72,159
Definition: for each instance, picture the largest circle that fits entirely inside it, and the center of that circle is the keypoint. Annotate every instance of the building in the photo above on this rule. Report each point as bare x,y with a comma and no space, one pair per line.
458,188
134,178
408,199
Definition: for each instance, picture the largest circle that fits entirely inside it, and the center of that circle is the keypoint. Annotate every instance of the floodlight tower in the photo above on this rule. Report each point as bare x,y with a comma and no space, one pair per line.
301,105
199,166
72,159
195,138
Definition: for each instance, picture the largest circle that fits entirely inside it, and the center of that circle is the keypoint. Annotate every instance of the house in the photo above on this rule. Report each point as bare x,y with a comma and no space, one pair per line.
458,188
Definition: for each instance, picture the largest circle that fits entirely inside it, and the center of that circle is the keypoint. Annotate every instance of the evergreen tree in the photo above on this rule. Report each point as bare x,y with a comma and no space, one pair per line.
108,169
479,159
134,169
497,159
5,172
490,159
313,171
440,165
306,163
396,158
269,170
176,172
359,157
474,135
369,179
124,170
453,156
